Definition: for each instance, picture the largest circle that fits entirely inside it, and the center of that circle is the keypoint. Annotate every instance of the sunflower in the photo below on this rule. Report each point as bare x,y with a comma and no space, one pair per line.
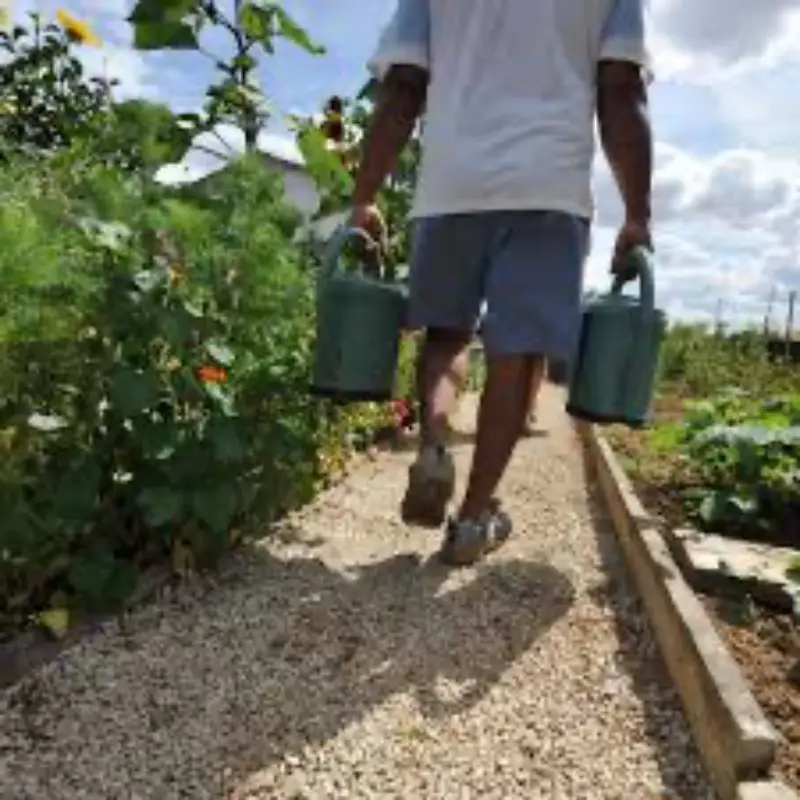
77,30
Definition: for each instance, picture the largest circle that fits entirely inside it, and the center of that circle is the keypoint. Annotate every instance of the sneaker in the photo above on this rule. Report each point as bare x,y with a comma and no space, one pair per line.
431,484
467,541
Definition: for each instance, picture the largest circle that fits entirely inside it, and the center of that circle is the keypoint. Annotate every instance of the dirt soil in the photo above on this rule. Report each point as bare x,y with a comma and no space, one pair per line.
765,643
768,650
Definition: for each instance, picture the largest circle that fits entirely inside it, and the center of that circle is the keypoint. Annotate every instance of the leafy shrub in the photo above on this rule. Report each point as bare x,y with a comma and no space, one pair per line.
746,452
153,376
696,363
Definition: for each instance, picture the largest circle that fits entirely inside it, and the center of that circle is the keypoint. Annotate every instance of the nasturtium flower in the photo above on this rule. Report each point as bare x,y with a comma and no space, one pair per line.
77,29
209,373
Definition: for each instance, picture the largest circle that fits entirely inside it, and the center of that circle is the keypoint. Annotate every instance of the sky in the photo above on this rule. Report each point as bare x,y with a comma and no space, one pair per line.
725,112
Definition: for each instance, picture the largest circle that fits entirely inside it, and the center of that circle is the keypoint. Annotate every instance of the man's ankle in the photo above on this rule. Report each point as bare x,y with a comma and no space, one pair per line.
433,451
433,441
475,510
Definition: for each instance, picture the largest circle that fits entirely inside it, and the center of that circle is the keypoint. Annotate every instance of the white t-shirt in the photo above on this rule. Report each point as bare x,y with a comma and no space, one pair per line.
509,120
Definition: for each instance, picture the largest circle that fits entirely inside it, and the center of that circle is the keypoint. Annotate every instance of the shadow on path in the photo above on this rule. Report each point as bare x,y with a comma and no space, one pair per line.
343,647
276,657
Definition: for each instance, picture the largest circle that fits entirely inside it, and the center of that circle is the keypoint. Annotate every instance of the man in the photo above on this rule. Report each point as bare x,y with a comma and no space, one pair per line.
510,90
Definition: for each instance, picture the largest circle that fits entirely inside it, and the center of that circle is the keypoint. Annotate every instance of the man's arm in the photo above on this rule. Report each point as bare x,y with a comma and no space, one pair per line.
626,136
401,99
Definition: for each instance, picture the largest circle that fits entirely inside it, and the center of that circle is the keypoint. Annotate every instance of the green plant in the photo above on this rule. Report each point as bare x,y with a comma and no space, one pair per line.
251,25
332,161
747,453
696,363
46,101
155,358
141,136
153,376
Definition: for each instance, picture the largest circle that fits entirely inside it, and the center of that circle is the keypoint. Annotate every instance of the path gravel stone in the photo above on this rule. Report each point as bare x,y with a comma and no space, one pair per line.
340,660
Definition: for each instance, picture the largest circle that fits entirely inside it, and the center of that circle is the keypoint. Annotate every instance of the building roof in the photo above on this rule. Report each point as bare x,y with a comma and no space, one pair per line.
209,157
281,148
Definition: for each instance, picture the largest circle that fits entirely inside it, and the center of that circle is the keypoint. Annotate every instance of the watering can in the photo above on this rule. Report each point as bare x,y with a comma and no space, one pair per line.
360,314
613,376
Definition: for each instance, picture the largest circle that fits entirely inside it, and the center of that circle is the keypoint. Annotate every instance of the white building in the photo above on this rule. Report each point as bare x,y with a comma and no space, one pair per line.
213,151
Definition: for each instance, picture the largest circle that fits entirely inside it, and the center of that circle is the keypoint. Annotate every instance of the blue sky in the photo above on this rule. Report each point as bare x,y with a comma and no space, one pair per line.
724,104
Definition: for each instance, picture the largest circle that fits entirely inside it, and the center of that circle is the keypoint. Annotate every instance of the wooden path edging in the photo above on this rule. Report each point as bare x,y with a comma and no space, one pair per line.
736,741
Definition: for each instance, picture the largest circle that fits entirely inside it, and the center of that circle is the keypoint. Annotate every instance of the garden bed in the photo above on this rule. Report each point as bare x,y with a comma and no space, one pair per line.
722,483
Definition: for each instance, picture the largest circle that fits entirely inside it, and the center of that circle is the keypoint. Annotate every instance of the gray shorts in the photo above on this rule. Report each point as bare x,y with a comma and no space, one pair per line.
526,265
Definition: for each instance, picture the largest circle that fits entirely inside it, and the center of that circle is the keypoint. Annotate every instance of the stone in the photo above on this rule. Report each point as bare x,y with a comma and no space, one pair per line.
721,565
764,790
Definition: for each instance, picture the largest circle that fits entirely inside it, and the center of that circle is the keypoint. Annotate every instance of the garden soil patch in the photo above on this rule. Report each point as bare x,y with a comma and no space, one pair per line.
768,650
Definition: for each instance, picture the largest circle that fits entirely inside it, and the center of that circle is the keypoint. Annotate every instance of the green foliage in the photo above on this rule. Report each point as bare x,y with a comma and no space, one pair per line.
153,376
154,360
741,439
46,100
746,452
141,135
47,103
252,25
695,363
333,169
725,448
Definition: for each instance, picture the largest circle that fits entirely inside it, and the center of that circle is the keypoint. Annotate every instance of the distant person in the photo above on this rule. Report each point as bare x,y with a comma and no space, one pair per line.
510,90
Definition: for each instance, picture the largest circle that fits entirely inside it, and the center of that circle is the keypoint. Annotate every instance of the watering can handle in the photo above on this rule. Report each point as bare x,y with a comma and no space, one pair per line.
640,262
337,242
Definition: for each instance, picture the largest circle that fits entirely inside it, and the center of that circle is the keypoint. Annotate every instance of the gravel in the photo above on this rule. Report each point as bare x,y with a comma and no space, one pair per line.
338,660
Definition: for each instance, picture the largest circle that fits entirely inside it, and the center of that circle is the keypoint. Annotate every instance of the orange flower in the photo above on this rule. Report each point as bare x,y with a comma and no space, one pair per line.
209,373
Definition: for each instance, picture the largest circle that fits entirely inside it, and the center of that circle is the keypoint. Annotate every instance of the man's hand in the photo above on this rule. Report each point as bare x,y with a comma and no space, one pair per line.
631,235
369,219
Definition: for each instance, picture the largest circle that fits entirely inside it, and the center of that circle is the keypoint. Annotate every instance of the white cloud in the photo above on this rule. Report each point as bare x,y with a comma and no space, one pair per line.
727,186
727,230
704,41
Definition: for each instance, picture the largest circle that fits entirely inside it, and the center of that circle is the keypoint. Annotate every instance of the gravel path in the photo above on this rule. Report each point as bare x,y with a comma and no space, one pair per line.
340,662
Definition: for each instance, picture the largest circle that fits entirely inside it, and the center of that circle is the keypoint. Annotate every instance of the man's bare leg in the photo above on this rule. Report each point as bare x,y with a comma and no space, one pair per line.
442,368
503,407
441,373
537,378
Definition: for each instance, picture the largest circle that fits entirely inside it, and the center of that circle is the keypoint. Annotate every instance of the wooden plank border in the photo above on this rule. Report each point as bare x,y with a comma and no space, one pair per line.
736,741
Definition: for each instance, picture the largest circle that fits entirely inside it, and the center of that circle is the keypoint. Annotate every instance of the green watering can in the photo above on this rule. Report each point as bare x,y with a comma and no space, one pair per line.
359,318
613,376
